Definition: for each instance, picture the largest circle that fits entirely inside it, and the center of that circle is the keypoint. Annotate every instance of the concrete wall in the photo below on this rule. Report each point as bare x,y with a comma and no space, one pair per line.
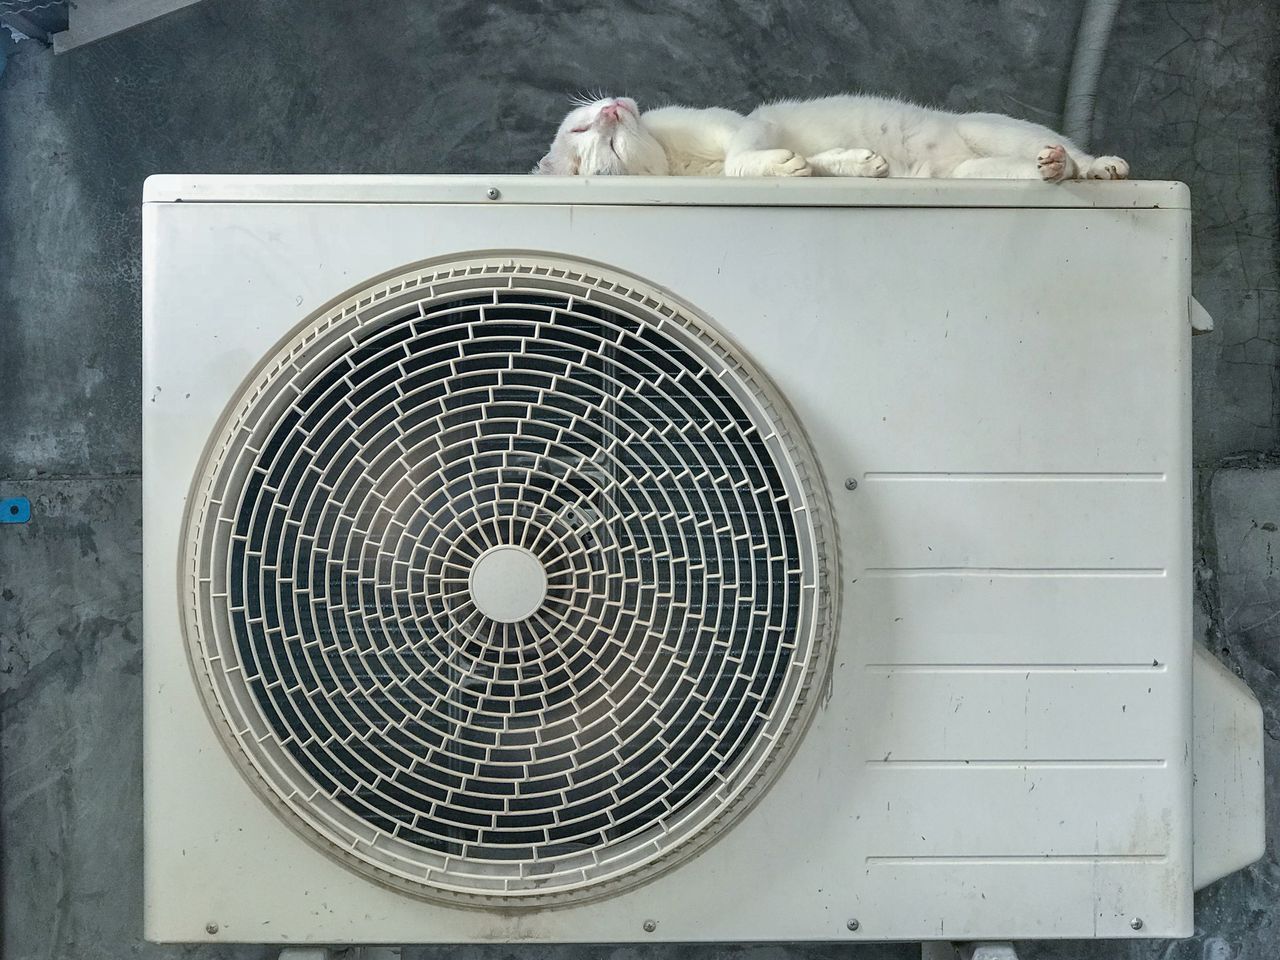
1190,91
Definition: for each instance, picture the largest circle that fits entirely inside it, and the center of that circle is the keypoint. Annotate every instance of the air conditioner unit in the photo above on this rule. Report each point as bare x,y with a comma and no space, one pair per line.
676,560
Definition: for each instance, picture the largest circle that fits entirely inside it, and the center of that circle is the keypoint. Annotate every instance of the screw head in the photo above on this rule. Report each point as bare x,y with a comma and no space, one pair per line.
853,924
493,193
851,484
211,928
650,926
1136,923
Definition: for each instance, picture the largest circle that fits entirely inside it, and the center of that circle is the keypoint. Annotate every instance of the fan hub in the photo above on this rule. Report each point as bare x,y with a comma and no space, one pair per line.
508,584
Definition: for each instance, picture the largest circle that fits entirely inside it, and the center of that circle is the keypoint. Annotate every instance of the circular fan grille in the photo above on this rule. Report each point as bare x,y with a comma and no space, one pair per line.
506,579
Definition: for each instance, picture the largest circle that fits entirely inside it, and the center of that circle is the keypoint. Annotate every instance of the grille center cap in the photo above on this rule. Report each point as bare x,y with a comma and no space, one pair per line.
508,584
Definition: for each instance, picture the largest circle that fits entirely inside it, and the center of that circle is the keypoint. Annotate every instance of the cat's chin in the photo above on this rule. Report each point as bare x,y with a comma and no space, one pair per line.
638,153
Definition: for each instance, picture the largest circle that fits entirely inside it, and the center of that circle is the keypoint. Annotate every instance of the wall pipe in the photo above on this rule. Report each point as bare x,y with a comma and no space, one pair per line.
1086,67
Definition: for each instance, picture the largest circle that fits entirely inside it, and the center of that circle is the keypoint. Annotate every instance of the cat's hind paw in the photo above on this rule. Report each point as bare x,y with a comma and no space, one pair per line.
1055,164
1108,168
849,163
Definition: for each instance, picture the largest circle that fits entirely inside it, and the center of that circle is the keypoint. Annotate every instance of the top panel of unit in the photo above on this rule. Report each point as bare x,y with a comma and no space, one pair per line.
668,191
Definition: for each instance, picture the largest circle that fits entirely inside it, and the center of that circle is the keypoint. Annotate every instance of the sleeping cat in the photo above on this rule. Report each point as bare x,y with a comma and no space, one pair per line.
844,136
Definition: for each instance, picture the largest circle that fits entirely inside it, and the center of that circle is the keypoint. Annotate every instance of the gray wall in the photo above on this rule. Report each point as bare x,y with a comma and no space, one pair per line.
1190,92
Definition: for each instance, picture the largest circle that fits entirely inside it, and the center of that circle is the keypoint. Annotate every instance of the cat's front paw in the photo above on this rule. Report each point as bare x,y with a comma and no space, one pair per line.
785,163
1055,164
850,163
767,163
1108,168
868,163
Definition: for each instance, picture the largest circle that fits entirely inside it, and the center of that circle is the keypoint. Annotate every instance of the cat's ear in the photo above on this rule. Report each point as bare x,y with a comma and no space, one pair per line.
545,166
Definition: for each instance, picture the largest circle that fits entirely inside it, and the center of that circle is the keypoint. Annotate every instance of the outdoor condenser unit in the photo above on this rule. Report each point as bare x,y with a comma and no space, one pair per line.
677,560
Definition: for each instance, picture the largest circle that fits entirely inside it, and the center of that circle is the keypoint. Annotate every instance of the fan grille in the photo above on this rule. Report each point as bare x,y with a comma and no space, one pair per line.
506,579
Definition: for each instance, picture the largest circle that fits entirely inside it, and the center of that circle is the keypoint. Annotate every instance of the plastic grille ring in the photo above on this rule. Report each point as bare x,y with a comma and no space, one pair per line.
507,580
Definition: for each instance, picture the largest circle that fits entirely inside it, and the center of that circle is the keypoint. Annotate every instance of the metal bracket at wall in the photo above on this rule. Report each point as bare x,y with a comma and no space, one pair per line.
1201,322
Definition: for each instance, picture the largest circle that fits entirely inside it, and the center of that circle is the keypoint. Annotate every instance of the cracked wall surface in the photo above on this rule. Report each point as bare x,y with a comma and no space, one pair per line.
1190,91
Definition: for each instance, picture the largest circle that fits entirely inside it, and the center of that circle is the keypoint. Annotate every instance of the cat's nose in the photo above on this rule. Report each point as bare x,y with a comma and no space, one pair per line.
610,111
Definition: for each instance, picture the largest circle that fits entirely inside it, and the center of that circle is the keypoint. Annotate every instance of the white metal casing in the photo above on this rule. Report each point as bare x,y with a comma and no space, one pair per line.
1004,750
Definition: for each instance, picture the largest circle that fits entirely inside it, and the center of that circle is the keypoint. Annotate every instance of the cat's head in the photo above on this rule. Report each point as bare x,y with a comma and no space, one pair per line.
604,138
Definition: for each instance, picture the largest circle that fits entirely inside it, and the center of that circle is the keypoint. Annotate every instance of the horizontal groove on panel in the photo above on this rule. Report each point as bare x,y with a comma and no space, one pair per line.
1014,476
1032,764
1152,667
1005,860
1098,572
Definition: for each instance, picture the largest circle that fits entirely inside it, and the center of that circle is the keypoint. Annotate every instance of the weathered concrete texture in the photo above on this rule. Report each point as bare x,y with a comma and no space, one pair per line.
1190,91
1246,512
71,703
69,279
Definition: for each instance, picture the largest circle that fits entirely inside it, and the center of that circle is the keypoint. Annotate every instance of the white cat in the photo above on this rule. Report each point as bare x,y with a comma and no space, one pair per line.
844,136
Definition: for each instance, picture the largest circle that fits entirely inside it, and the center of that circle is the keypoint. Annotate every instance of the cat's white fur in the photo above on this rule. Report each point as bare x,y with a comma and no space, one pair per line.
844,136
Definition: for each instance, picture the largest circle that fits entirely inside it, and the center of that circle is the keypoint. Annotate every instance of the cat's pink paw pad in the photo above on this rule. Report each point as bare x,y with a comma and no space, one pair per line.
1053,163
1108,168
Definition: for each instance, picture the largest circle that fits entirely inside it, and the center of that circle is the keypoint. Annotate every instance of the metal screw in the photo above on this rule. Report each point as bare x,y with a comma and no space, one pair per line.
851,484
853,924
1136,923
493,193
650,926
211,928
